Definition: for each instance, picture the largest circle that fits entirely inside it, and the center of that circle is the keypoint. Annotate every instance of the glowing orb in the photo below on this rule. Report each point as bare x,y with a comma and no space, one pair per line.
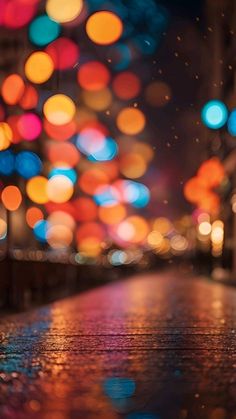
232,123
64,10
93,76
30,98
64,154
12,89
59,236
36,189
112,214
5,136
126,85
214,114
33,215
39,67
131,121
104,28
64,53
28,164
7,163
11,197
59,109
158,94
40,230
60,189
43,30
85,209
29,126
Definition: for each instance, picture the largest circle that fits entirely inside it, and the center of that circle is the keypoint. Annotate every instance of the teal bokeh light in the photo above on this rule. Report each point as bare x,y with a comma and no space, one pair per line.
214,114
43,30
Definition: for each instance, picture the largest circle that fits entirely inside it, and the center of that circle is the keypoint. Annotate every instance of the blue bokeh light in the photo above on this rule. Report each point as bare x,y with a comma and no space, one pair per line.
43,30
7,162
214,114
232,123
65,171
106,195
28,164
107,152
40,230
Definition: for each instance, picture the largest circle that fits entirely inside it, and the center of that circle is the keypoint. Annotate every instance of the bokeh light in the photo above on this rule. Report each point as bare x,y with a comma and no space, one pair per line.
104,28
214,114
39,67
27,164
6,136
131,121
43,30
30,98
126,85
29,126
232,123
93,76
63,154
59,109
63,52
7,162
12,89
64,10
36,189
90,180
59,189
33,215
11,197
158,94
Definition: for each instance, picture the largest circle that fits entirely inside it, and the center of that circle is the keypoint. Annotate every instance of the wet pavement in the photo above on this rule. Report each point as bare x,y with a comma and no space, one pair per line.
158,346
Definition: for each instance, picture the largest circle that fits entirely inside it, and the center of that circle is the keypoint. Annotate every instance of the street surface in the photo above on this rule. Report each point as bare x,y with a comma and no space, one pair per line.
158,346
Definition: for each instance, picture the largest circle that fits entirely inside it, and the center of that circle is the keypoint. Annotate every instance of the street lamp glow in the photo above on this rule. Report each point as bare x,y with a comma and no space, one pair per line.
214,114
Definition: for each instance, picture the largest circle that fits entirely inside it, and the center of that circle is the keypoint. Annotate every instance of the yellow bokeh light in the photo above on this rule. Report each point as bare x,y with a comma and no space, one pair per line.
59,189
39,67
36,189
104,28
163,225
5,136
64,10
131,121
90,247
155,239
59,109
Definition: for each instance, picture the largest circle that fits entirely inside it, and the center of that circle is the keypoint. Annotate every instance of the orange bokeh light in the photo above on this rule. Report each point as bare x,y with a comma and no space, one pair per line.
104,28
90,180
11,197
131,121
112,214
13,88
33,215
212,172
30,98
93,76
63,154
36,189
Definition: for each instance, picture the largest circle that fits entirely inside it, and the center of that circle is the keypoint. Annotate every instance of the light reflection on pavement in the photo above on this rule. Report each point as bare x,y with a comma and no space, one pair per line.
158,346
